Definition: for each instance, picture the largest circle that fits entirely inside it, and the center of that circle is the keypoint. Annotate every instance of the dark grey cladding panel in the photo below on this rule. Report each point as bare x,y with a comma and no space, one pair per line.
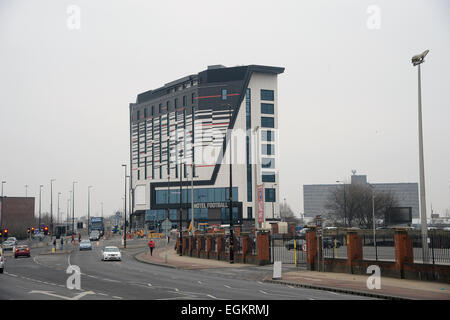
223,75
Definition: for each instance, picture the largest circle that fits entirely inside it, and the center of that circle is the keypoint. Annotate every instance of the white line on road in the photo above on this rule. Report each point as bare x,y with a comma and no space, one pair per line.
116,297
263,292
227,286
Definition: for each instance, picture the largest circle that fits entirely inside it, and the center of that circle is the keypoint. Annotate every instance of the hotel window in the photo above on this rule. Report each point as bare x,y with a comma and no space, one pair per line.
268,177
160,108
176,102
269,195
267,135
267,108
145,168
267,95
184,101
249,213
138,115
153,110
268,163
192,97
267,122
268,149
145,113
168,105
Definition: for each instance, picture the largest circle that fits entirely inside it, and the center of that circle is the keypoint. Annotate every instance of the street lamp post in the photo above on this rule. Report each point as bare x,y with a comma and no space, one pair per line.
373,222
125,209
26,191
89,209
73,206
345,203
181,202
58,217
51,206
230,191
1,215
40,196
417,61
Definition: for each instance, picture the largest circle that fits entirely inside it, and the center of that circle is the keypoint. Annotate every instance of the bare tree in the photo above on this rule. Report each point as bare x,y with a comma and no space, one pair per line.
353,206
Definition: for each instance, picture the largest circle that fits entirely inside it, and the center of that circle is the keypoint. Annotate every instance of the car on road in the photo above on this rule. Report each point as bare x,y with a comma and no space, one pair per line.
111,253
329,243
2,261
298,245
85,245
94,235
13,239
8,245
22,251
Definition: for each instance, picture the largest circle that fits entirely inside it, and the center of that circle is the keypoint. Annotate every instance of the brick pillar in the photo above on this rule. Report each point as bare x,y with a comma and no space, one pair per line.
354,249
208,246
245,245
403,250
185,245
237,231
262,240
220,244
311,250
199,245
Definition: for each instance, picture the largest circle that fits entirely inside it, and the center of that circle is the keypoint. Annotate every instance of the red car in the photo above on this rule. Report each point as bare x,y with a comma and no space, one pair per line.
22,251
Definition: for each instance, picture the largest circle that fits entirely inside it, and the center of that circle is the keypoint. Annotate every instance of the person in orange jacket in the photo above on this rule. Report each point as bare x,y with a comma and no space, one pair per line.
151,245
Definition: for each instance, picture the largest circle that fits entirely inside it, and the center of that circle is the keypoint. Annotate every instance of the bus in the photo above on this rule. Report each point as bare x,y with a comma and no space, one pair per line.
97,223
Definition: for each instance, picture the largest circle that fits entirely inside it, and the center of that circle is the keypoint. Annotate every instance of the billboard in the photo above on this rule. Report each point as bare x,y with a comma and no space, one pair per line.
396,216
260,194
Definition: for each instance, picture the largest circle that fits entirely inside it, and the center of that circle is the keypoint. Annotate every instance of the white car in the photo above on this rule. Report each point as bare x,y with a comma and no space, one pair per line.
8,245
111,253
12,239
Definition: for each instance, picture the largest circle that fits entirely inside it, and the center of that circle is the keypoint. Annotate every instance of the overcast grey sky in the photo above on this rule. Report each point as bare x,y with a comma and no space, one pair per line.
347,99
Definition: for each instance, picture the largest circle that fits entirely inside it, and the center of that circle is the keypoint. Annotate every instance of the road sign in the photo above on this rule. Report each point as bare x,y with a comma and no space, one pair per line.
166,225
304,247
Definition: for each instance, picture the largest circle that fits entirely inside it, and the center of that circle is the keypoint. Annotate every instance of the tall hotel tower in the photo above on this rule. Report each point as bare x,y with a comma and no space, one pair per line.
180,137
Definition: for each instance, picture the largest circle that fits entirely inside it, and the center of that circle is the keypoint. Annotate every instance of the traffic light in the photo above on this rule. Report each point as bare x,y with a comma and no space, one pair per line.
45,230
5,233
32,230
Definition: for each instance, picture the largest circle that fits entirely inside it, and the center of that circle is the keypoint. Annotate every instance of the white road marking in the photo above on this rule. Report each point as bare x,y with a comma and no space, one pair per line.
227,286
263,292
52,294
149,284
12,275
116,297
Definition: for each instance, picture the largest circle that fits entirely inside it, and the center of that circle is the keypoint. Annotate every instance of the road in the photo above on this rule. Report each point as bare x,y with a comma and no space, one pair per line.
43,276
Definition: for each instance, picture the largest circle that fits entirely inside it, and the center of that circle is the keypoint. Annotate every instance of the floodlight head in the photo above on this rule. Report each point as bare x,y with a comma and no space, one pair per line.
418,59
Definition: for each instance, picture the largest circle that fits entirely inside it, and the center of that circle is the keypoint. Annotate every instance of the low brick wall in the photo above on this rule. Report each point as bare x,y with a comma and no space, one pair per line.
402,268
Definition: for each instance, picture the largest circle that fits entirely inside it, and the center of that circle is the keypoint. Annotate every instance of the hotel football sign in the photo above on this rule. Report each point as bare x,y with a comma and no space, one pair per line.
260,190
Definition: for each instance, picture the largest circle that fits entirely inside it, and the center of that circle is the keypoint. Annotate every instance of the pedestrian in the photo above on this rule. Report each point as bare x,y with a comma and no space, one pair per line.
62,242
54,243
151,245
79,237
73,238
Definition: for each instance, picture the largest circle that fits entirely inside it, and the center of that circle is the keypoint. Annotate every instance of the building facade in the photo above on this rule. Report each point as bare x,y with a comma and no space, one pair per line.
315,196
16,213
180,137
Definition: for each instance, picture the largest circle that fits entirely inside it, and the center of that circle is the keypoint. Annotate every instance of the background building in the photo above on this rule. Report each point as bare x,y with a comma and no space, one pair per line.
315,196
17,214
186,122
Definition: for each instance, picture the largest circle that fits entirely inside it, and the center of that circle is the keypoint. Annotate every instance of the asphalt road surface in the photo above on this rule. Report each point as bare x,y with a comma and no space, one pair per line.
44,277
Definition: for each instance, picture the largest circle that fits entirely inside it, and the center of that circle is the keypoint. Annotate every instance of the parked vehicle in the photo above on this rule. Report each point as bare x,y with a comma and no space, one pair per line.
111,253
22,251
298,245
85,245
13,239
8,245
95,235
330,243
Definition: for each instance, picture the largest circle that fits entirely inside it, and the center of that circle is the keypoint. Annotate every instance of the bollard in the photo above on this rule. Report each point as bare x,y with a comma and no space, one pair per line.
276,270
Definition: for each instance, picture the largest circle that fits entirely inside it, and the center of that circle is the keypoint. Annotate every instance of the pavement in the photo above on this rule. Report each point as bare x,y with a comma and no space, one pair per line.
391,288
